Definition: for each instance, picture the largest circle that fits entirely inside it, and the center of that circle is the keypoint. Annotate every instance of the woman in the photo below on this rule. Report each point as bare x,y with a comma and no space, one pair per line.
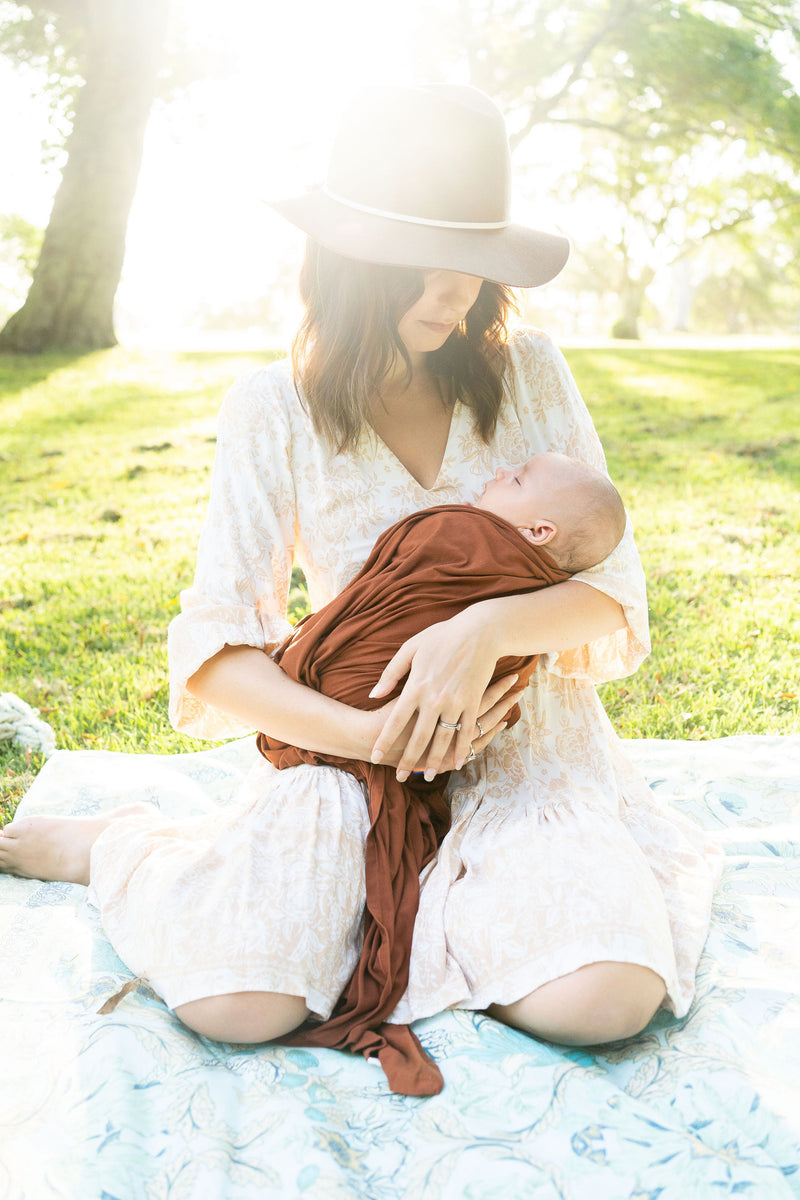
564,899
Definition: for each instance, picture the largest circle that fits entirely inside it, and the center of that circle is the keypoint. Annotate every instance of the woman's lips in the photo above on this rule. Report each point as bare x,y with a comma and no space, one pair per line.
438,326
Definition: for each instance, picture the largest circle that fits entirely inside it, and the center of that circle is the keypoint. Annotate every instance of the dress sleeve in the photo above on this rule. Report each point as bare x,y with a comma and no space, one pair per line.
244,563
553,416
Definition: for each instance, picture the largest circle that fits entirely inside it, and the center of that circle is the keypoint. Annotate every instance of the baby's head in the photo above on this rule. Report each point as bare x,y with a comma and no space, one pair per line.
558,502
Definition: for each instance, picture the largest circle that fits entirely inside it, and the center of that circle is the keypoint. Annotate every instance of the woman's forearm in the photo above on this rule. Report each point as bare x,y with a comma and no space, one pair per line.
245,682
555,618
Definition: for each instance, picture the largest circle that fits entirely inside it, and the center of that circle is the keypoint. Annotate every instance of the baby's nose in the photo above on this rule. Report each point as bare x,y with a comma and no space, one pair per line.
500,473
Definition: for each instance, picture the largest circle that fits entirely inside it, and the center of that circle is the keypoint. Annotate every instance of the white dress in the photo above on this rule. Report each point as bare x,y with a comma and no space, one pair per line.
558,854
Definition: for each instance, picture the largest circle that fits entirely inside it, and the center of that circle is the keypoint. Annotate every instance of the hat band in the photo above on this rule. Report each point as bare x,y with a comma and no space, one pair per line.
395,216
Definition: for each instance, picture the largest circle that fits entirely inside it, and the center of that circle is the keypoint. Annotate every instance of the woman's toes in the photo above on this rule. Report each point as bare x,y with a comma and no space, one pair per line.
56,848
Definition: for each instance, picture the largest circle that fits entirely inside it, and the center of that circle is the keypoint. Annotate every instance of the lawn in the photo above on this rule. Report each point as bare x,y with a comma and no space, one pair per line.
104,466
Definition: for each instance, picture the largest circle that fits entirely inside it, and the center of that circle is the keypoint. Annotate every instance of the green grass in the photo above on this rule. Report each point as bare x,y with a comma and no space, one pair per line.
104,472
704,447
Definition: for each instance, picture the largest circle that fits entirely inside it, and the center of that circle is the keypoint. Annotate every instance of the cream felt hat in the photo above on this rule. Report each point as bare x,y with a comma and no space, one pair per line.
421,177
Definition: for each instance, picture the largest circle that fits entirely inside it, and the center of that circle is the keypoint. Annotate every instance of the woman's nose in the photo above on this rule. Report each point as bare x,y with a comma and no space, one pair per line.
455,289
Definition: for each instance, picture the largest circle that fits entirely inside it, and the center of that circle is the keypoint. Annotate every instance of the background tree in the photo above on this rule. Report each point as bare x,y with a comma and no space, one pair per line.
655,87
116,47
656,205
701,129
749,282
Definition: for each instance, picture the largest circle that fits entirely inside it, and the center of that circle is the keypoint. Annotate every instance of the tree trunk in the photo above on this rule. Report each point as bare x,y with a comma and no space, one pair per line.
632,293
71,297
683,293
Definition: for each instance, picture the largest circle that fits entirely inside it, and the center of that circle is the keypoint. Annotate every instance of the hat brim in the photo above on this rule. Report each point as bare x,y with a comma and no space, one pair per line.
515,255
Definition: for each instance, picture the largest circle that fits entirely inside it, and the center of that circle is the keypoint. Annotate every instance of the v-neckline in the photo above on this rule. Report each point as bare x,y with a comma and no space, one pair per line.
454,413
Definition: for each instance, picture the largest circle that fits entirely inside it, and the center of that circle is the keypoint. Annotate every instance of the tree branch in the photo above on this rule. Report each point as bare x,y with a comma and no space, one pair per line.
541,108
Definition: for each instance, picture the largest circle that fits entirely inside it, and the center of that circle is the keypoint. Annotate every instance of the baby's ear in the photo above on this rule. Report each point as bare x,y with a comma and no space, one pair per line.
539,534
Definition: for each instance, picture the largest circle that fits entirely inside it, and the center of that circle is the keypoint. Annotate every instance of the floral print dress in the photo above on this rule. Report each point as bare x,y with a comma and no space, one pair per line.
558,854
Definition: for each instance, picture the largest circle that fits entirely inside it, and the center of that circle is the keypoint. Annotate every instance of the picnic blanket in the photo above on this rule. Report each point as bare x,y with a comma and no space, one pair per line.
131,1104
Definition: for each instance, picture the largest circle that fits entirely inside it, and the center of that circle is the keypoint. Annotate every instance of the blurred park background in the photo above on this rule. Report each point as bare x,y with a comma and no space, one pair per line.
662,136
140,272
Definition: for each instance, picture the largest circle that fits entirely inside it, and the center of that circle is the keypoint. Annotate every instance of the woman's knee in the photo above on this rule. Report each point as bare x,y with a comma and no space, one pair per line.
601,1002
244,1016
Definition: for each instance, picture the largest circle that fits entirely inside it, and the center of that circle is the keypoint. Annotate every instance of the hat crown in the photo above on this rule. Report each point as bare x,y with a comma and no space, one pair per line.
421,177
435,153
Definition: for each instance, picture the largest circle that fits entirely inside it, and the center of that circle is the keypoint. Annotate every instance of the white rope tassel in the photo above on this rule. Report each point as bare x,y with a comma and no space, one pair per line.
22,725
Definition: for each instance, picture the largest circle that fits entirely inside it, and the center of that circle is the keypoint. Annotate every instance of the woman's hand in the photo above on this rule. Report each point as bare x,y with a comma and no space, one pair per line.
496,703
449,666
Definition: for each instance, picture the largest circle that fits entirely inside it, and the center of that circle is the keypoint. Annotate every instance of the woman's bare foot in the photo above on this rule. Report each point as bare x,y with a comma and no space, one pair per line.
56,848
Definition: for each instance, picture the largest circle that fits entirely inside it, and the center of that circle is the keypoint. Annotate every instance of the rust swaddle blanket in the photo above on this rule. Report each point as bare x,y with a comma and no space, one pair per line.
425,569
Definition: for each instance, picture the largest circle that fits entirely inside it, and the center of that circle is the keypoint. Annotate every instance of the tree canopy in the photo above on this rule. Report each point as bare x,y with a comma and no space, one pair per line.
657,88
687,115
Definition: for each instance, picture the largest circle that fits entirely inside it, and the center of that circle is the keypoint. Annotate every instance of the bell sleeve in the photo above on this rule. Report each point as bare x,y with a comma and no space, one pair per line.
553,416
244,563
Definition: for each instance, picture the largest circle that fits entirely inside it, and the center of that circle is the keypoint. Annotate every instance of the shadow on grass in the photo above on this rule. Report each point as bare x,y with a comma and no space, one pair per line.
662,408
239,359
111,395
101,405
21,371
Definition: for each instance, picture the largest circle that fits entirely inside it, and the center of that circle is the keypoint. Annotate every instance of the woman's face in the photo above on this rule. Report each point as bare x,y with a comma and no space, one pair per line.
446,300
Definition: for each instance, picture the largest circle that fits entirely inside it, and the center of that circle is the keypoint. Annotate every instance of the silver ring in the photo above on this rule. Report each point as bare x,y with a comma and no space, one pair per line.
480,727
472,755
448,725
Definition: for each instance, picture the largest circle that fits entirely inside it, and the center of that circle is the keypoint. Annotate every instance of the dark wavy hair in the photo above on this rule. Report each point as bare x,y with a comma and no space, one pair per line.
348,341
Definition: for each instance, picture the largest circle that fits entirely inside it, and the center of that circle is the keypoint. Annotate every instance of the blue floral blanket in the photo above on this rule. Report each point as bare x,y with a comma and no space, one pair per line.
132,1105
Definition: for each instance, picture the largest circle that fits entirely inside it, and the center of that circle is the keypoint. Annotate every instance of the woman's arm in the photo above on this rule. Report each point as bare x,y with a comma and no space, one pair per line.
244,562
450,664
565,615
248,684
